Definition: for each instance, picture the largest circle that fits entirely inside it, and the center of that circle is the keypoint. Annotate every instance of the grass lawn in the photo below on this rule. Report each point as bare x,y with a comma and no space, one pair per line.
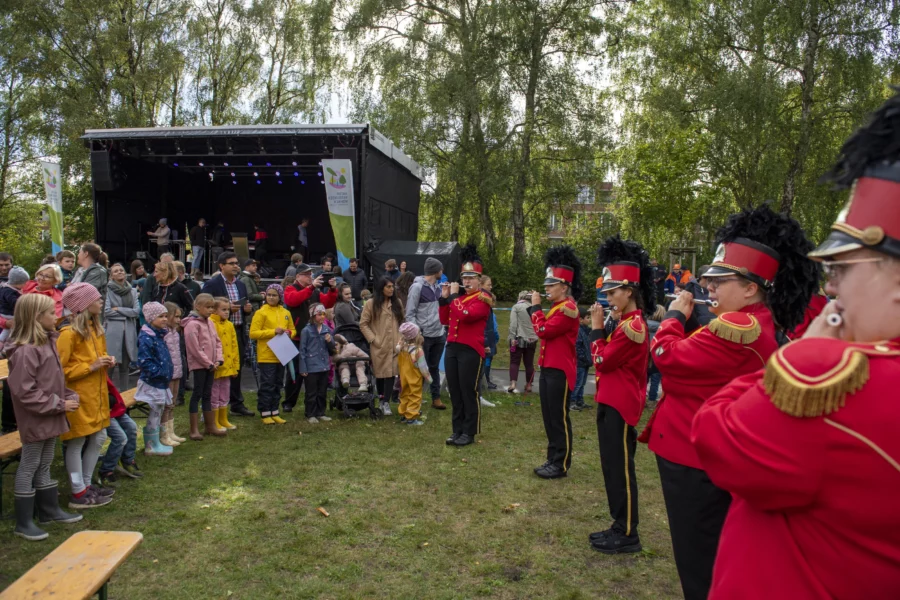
410,517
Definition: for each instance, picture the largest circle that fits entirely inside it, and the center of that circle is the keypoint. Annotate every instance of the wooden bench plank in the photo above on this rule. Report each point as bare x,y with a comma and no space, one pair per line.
128,397
78,568
10,445
4,369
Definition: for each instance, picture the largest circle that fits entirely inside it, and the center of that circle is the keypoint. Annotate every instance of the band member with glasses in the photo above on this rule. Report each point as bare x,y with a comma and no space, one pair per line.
810,450
760,281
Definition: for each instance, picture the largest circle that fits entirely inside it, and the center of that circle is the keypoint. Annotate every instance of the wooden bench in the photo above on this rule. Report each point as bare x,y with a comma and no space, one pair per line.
78,569
132,404
10,452
4,369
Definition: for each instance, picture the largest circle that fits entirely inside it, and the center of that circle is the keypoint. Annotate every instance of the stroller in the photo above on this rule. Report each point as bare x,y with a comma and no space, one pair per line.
350,400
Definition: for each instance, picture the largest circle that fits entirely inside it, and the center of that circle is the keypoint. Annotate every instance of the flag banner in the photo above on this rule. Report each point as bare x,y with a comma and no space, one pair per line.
338,177
53,190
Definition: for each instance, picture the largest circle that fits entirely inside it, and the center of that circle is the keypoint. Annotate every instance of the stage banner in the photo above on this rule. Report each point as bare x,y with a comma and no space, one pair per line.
53,190
338,176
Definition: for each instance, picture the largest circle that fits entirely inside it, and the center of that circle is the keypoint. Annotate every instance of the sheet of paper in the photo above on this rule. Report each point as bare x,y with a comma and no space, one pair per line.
284,348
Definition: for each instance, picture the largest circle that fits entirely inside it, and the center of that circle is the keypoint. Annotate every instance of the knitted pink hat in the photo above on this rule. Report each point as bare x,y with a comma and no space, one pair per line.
152,310
409,331
78,296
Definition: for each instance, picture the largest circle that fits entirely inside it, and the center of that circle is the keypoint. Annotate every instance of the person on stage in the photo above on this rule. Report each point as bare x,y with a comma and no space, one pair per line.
557,332
469,310
621,361
809,451
762,281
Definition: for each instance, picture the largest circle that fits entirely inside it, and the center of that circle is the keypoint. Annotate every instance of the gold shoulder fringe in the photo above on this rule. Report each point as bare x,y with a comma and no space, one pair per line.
815,399
570,312
736,333
637,337
486,299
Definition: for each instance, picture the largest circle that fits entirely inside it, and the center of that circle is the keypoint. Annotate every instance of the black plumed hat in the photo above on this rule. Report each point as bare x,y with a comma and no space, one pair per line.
563,266
626,263
471,261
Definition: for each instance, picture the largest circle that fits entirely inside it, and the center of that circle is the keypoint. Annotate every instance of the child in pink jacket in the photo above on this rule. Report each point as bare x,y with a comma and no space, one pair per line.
344,350
204,354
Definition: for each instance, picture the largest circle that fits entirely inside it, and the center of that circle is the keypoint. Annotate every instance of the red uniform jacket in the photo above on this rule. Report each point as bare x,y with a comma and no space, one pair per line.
815,308
695,367
557,331
294,298
621,364
468,317
815,511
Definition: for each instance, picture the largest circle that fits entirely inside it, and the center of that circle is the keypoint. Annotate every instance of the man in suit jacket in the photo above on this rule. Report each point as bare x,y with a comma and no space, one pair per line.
227,285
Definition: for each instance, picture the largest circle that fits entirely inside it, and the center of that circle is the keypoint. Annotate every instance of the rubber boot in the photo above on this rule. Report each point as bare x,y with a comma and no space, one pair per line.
209,419
47,500
152,446
170,425
222,420
25,527
164,437
195,427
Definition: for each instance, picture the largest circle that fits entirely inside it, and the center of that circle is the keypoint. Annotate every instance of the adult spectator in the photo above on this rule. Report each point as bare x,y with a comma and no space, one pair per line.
227,285
198,244
161,237
6,263
296,260
338,276
345,312
90,270
380,324
192,286
122,311
356,278
248,277
303,237
491,337
261,246
298,297
326,266
45,281
403,283
403,268
423,310
66,261
149,288
522,344
138,274
103,262
390,270
169,289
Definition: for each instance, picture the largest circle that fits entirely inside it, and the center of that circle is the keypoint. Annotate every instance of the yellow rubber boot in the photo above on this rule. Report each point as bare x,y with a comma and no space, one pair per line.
268,421
278,420
222,419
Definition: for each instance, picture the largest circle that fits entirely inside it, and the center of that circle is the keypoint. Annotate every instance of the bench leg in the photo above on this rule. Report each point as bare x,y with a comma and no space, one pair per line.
3,464
103,591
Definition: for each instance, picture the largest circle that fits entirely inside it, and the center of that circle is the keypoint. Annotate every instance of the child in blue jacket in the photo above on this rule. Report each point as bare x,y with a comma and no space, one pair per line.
583,361
156,373
316,347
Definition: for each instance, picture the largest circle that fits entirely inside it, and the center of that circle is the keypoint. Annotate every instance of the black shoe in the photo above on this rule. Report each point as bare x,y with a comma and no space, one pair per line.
575,407
492,385
464,440
586,407
599,535
617,543
452,439
241,411
179,401
287,409
550,472
543,466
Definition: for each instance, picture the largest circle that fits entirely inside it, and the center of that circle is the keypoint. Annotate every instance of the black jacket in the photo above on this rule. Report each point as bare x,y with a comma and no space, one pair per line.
216,287
358,282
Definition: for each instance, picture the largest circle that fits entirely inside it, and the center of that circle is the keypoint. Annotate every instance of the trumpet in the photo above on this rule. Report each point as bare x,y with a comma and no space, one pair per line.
712,303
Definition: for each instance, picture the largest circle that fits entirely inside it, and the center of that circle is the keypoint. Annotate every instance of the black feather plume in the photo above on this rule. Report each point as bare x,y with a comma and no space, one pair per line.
798,277
565,255
614,249
469,253
877,142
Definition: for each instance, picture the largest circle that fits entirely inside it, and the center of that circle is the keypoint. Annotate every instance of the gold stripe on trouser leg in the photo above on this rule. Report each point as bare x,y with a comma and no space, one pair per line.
627,481
478,396
565,428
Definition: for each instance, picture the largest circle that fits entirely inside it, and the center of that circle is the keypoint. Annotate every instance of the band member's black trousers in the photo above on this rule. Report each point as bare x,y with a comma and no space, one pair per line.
618,442
696,509
463,367
554,391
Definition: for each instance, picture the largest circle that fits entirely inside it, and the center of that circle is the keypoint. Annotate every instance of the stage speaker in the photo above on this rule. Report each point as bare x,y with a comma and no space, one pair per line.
352,155
106,170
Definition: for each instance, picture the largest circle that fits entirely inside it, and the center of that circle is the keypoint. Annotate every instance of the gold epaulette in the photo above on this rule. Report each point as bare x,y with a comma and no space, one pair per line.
812,378
570,310
486,298
737,327
635,330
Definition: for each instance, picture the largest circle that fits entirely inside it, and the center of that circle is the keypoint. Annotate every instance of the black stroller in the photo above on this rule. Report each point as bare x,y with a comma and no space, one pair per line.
350,400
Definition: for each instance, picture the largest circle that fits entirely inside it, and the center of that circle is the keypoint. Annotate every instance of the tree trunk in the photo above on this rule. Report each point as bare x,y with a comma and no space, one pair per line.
807,85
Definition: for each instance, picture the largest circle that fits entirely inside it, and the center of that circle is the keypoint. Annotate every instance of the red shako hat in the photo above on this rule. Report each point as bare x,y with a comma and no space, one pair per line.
757,262
616,275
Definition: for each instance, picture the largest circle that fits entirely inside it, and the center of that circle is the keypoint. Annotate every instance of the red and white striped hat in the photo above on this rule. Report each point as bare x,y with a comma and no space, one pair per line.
78,296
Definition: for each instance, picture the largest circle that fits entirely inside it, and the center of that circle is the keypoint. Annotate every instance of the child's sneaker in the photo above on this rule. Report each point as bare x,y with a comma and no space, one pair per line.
385,408
324,418
108,480
363,387
129,469
89,499
312,420
345,383
106,492
415,422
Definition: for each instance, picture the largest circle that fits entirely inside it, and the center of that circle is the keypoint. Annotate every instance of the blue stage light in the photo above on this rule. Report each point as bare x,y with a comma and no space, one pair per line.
279,182
249,164
277,173
234,181
268,164
176,164
296,174
302,182
258,182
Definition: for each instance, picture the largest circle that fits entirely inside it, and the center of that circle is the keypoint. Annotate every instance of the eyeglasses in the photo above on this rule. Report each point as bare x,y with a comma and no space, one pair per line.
835,269
44,276
231,264
715,282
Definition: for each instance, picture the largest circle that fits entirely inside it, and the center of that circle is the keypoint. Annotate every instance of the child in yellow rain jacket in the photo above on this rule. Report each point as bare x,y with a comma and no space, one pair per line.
231,362
413,373
270,320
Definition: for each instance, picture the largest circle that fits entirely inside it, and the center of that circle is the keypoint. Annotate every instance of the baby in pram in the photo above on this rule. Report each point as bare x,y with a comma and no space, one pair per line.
345,350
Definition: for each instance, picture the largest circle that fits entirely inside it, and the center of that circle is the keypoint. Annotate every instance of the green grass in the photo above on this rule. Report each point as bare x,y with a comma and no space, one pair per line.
410,517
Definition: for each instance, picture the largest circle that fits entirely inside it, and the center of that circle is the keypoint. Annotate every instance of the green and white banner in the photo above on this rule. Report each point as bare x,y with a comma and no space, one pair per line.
338,177
53,190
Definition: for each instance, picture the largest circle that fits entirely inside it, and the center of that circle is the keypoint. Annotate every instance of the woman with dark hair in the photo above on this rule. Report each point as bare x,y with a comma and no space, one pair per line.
345,312
403,283
380,324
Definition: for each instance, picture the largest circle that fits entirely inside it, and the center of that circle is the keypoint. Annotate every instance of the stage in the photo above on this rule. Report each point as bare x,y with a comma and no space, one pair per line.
241,176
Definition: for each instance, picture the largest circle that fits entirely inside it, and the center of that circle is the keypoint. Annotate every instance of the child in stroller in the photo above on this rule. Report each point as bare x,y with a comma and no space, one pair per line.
351,348
345,350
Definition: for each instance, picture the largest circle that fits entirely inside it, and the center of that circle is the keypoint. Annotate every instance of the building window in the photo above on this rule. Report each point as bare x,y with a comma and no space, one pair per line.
554,222
585,195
